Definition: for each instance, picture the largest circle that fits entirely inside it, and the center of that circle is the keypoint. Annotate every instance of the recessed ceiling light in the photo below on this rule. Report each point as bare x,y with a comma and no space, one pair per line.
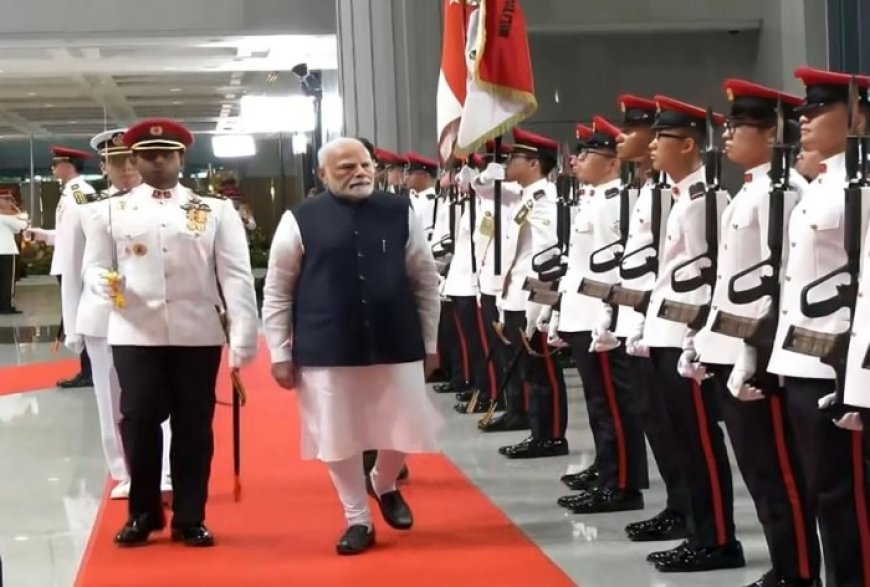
174,90
49,105
177,102
32,94
73,122
169,68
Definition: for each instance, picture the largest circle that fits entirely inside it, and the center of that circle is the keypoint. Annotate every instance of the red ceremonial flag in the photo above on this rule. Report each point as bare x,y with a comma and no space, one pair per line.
452,82
501,89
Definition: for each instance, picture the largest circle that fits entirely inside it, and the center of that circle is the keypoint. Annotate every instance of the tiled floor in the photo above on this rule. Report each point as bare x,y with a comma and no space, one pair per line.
52,475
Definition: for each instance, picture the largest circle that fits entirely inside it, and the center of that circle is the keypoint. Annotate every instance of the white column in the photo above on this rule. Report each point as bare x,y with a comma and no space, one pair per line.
389,57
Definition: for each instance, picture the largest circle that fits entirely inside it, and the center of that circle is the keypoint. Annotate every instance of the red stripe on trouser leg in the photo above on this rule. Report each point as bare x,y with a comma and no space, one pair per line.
861,503
610,391
490,364
554,388
794,501
710,459
463,348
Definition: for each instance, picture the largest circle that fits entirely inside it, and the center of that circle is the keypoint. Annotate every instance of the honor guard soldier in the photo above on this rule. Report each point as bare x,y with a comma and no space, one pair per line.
676,151
816,236
760,433
393,166
12,223
176,258
421,173
533,229
620,449
67,166
86,314
513,400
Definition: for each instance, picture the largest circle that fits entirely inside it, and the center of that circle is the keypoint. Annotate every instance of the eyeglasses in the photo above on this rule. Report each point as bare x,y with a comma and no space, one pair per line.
669,135
732,125
513,156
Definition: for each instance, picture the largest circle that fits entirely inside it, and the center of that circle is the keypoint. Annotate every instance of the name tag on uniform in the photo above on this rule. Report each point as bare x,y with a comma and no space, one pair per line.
523,213
487,225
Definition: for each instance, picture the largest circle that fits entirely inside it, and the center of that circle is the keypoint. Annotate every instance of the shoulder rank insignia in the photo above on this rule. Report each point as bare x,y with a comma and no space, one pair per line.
697,190
612,192
539,194
487,225
523,213
197,214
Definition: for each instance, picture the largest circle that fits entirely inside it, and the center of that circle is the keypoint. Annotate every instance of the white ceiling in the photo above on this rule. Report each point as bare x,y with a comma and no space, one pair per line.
68,88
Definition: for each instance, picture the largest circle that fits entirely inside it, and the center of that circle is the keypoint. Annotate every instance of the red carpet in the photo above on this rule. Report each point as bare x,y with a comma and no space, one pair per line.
34,376
284,530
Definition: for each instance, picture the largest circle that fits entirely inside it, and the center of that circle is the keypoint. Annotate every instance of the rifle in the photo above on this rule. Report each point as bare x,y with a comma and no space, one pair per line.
833,349
627,197
660,207
695,316
760,333
551,263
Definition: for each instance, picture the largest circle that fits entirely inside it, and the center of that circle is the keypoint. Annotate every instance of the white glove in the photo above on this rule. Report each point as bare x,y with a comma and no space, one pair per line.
109,284
553,331
499,305
241,356
688,365
74,342
850,421
634,345
465,176
543,322
603,339
828,401
533,316
442,283
493,172
744,369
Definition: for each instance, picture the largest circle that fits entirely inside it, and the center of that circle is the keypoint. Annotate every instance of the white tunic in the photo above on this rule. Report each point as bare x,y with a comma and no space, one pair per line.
11,225
425,209
173,260
346,410
73,193
684,240
857,390
510,194
815,235
462,277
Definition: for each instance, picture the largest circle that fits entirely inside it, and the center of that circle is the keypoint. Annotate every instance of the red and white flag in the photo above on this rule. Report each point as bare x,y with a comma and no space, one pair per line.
501,89
452,82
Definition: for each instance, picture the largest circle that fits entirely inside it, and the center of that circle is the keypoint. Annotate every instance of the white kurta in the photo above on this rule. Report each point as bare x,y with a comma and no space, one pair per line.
346,410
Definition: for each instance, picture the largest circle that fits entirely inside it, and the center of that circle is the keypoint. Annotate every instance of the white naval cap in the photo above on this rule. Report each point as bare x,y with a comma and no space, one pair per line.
110,142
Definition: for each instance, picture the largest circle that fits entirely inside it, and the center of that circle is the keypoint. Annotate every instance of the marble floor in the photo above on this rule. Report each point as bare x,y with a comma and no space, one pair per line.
53,477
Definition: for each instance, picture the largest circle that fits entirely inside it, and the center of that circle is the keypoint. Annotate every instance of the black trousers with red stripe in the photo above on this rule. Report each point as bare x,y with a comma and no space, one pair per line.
548,398
469,323
649,406
620,449
831,459
448,346
700,444
766,453
493,347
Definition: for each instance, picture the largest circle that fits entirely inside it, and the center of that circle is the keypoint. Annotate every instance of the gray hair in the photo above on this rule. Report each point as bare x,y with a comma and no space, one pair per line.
326,149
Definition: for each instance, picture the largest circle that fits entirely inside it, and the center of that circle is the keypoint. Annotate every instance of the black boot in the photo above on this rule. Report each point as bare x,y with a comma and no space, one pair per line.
356,540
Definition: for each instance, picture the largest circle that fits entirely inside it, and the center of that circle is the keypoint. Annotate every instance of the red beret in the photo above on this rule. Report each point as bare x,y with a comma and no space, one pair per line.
490,147
476,161
636,109
676,114
67,154
389,158
419,162
582,132
158,134
529,142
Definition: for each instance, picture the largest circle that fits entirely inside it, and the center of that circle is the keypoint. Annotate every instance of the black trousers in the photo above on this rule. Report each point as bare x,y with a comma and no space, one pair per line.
178,383
651,412
620,449
448,346
7,281
548,398
84,358
469,323
831,459
493,348
700,444
766,453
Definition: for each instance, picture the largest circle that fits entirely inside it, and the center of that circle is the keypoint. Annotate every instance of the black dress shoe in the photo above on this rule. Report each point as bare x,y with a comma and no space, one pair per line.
667,525
503,450
609,500
195,535
770,580
582,480
356,540
538,449
445,388
569,501
504,423
661,555
79,380
137,529
393,507
480,407
696,559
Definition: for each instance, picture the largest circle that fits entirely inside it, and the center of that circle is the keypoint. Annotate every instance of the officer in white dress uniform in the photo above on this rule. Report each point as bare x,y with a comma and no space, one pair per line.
533,230
86,314
760,434
12,222
177,258
620,446
828,454
420,175
693,409
350,329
